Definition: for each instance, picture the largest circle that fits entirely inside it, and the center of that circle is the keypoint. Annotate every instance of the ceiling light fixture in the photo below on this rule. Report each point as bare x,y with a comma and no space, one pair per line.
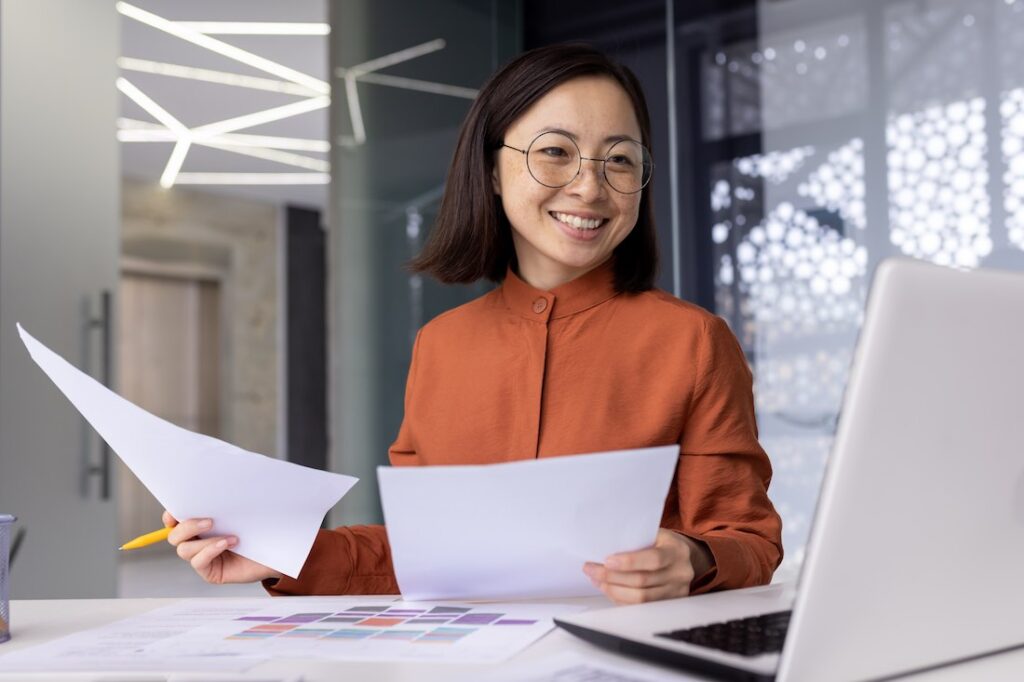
174,163
184,137
181,132
260,117
396,57
256,151
289,158
222,48
253,178
132,130
271,142
212,76
151,107
415,84
355,110
257,28
222,135
364,72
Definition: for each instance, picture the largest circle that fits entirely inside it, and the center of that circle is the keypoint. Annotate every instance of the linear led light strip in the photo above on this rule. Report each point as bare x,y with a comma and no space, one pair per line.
182,134
131,130
422,86
253,178
206,134
220,47
290,158
260,117
257,28
140,131
212,76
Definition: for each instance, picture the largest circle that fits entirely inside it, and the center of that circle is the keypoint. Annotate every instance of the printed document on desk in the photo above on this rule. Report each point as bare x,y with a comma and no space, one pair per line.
237,634
520,529
274,507
133,644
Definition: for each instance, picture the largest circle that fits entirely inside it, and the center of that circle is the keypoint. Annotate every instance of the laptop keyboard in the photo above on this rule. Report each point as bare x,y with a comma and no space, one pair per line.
752,636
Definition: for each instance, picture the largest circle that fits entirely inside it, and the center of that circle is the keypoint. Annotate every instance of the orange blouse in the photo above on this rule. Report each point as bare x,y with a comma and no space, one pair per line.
521,373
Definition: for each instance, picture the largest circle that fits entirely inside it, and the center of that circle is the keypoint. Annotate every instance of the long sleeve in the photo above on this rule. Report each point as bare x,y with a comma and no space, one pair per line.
354,559
345,560
723,475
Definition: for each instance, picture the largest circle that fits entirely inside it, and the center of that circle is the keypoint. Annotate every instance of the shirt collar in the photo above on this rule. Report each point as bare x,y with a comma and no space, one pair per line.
586,291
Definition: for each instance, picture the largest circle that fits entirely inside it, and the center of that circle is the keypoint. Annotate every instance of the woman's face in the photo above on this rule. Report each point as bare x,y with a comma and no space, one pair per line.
562,233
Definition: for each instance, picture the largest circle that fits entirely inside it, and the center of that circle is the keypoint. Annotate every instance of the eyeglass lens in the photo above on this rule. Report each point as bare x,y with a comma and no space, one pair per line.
554,160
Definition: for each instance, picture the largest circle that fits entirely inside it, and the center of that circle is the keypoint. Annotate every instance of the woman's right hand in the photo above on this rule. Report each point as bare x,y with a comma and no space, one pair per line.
212,557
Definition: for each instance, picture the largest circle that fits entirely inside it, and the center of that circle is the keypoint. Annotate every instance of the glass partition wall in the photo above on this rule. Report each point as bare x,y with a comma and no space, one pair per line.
404,74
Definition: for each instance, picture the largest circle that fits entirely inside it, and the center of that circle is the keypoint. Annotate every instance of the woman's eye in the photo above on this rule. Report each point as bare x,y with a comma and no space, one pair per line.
619,160
554,151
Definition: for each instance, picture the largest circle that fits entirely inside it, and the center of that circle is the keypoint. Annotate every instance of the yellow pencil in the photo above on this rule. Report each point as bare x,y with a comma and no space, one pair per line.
148,539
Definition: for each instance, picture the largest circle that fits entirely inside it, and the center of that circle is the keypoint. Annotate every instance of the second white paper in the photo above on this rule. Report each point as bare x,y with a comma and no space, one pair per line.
520,529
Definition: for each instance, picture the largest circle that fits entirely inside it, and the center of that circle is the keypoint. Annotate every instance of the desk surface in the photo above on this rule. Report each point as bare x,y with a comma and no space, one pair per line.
38,621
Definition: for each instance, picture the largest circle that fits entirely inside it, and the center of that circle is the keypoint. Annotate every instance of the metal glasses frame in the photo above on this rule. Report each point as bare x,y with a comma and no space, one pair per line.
581,159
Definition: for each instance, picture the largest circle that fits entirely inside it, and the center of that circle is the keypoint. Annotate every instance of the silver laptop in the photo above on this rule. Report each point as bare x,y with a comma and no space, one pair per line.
916,554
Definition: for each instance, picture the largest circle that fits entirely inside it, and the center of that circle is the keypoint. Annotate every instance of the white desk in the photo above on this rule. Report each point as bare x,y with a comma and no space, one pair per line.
38,621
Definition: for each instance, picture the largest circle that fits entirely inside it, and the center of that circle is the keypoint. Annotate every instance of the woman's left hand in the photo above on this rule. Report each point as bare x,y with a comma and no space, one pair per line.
663,571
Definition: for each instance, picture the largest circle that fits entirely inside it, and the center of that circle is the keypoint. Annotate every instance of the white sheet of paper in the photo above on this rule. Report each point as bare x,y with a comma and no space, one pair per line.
274,507
520,529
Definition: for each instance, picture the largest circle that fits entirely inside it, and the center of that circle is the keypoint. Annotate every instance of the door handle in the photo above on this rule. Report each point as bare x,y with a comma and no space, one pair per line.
101,469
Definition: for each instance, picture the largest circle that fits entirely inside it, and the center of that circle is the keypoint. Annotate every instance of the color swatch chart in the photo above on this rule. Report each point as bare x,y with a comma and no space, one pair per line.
436,625
365,628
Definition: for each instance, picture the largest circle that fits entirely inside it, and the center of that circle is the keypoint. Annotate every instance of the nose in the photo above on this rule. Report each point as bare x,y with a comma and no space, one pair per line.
589,184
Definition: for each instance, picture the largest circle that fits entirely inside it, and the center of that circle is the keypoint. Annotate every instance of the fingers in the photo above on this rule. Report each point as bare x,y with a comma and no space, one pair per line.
630,595
660,572
650,559
168,519
637,579
669,548
208,550
635,587
188,529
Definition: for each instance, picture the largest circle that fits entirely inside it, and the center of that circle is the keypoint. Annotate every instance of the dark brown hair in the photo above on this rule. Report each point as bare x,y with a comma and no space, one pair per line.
471,238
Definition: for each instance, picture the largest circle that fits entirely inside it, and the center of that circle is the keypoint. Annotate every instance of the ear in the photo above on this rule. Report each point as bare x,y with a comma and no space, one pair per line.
495,180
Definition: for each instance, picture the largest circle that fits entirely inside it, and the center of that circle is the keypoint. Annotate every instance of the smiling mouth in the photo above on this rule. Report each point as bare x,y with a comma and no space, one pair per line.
576,221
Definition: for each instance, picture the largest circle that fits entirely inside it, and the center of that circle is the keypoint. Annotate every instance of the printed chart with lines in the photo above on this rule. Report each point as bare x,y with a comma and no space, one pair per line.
366,628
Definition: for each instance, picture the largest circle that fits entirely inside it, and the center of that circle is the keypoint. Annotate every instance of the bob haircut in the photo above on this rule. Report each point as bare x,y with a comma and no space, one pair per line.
472,237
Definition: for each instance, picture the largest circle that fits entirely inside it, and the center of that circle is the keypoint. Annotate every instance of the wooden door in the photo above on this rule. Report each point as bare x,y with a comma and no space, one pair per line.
169,340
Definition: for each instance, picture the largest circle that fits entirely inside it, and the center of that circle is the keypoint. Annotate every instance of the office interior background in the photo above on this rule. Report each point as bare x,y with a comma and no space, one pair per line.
213,218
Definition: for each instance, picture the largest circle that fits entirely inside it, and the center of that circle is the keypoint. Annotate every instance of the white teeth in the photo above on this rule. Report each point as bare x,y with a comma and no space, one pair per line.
578,222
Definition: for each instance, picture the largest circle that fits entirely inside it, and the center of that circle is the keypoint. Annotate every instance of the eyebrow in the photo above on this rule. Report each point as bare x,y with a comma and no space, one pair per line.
609,139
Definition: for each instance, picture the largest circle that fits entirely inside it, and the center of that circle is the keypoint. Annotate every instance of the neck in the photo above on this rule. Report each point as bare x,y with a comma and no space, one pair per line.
547,279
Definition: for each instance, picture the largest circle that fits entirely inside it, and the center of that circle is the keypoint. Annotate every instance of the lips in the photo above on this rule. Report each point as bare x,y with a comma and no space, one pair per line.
577,221
579,234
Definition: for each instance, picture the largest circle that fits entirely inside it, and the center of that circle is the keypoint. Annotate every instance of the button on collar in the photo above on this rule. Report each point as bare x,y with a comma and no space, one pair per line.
540,305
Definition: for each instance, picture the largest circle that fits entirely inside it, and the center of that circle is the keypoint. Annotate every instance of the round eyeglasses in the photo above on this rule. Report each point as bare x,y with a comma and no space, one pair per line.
554,160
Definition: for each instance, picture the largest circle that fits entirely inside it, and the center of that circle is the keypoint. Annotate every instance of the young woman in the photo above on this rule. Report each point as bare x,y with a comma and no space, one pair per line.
576,351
